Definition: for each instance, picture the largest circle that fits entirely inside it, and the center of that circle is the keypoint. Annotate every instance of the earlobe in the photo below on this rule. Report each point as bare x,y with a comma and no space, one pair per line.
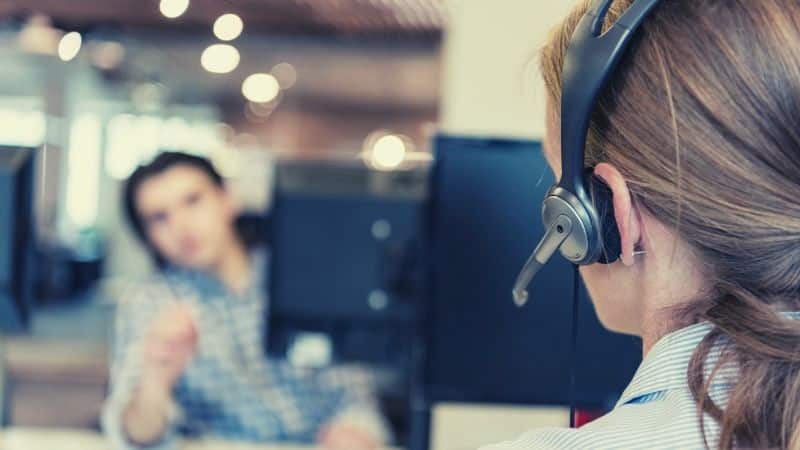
626,218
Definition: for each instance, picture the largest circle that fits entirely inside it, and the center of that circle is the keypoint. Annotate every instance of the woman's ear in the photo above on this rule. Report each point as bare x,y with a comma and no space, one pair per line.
628,222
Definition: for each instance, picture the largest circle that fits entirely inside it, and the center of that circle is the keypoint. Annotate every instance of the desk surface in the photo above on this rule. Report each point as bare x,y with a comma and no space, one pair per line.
48,439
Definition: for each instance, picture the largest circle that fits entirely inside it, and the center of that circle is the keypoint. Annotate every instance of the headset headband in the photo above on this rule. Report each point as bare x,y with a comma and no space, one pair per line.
591,60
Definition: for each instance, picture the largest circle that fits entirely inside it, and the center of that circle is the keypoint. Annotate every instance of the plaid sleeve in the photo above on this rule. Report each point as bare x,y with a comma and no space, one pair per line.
358,406
135,311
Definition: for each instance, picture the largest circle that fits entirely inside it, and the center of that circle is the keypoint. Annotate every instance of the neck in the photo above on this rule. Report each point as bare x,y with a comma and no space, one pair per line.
651,333
233,268
670,282
661,318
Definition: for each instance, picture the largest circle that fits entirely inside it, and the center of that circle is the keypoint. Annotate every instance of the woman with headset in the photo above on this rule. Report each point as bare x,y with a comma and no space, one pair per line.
696,135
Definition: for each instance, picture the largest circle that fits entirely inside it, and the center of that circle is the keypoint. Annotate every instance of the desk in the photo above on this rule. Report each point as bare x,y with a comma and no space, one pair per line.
41,372
469,427
49,439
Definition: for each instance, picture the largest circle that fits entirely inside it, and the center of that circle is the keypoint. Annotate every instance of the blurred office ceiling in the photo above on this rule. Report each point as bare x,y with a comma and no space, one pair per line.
395,18
358,54
350,76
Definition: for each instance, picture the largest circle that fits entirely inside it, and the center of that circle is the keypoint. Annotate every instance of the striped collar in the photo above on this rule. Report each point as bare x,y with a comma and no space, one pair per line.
667,364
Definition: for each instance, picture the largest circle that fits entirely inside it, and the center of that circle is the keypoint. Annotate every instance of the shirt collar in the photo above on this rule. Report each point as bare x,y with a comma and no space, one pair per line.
211,288
666,365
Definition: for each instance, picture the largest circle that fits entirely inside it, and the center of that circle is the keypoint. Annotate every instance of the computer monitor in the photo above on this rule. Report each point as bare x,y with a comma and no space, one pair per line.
483,221
16,237
342,238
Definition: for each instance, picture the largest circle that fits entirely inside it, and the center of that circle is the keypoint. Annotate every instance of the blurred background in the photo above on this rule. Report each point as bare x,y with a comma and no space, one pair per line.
329,97
100,87
107,85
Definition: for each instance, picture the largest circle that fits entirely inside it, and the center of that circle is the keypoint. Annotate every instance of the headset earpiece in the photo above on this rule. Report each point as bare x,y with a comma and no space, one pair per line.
603,200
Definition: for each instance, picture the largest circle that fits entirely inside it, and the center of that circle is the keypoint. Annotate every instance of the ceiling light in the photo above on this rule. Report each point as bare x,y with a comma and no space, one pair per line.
173,9
261,88
69,46
228,27
220,58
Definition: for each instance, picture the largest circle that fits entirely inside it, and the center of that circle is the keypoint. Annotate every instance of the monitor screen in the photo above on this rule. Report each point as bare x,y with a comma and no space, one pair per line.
16,236
341,240
484,221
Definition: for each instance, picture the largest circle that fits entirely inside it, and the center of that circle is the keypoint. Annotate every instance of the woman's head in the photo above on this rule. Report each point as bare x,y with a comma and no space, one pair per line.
179,207
699,137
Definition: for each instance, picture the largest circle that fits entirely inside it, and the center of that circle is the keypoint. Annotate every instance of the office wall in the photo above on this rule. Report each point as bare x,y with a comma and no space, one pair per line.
491,85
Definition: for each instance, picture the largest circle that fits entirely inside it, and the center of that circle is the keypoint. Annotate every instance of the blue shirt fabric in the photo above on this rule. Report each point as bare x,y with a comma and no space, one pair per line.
231,390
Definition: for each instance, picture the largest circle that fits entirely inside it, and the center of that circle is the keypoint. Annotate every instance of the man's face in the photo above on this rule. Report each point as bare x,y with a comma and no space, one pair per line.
186,216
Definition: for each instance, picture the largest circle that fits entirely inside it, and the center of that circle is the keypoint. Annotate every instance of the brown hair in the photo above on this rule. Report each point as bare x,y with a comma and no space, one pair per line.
703,121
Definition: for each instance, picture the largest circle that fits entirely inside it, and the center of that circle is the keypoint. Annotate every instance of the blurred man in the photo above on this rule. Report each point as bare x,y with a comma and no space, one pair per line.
188,355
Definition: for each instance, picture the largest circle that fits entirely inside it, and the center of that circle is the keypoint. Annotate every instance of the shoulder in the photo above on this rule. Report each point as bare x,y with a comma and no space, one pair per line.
546,438
665,424
143,296
139,290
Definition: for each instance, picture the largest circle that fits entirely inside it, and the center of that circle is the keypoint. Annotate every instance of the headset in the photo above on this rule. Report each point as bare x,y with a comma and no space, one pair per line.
578,212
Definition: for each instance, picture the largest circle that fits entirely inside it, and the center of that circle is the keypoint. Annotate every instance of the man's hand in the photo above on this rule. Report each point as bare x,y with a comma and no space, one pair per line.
347,437
169,347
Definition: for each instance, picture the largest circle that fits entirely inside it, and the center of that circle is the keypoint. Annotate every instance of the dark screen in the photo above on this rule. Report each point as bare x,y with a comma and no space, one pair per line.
16,237
343,239
484,221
